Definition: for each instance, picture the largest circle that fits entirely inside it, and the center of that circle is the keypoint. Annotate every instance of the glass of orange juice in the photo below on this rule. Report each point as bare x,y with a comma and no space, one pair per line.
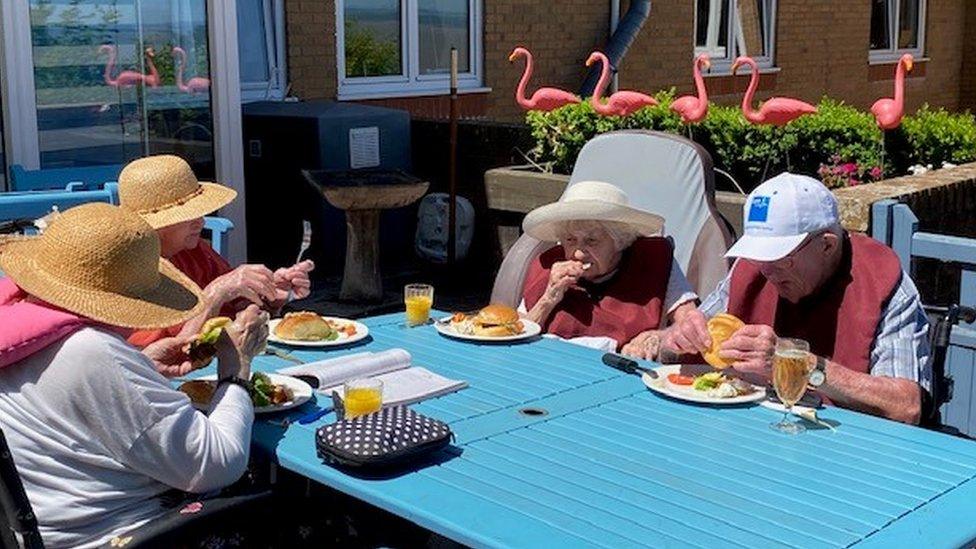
418,299
362,396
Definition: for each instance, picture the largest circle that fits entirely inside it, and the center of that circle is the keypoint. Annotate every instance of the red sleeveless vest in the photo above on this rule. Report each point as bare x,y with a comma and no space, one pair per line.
626,305
841,319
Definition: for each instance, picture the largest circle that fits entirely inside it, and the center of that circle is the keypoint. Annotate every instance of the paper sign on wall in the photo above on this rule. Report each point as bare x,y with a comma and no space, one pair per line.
364,147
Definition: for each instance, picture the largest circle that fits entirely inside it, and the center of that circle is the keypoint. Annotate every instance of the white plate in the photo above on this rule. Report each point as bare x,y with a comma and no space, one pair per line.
302,391
530,329
686,392
361,332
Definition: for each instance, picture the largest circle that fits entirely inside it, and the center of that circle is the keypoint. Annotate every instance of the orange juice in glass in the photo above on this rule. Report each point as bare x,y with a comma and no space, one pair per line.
362,396
418,299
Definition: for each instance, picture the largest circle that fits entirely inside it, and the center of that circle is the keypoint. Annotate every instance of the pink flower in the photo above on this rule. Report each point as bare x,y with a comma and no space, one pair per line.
848,168
876,173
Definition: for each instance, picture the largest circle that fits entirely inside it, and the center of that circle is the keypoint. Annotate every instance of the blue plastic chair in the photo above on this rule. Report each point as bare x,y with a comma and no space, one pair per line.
89,177
35,204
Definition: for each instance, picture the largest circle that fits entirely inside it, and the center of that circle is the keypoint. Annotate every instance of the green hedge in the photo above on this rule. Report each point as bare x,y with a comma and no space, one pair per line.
839,144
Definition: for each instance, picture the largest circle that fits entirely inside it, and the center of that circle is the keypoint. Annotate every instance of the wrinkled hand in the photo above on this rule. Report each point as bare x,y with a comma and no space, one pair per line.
644,345
689,335
751,348
563,275
243,339
254,283
294,279
169,355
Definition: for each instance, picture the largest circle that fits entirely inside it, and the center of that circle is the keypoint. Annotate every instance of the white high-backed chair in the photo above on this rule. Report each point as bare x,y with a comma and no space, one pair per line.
662,173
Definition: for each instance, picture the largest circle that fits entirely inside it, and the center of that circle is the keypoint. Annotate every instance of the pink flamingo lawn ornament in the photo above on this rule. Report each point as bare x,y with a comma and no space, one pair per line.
127,79
693,109
777,111
544,99
194,85
152,79
888,112
621,103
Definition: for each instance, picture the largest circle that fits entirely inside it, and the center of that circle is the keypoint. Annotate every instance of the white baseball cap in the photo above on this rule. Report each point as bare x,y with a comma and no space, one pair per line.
780,214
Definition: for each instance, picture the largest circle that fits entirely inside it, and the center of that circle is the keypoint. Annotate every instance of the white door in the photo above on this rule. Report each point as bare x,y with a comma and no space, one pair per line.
92,82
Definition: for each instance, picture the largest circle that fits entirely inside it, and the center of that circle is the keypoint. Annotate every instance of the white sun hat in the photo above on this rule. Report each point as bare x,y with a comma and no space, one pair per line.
780,214
590,201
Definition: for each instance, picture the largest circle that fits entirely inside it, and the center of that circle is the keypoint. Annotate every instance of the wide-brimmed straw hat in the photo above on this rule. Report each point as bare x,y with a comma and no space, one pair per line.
164,191
590,201
102,262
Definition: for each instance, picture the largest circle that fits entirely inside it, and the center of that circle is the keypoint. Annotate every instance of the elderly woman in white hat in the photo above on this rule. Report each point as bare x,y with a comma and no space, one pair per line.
165,192
97,433
611,275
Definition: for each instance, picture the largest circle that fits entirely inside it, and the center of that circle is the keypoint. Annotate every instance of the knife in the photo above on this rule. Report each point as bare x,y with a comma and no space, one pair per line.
626,365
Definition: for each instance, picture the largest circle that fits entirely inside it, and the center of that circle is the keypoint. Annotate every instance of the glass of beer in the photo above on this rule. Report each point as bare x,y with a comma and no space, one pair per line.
418,299
791,370
362,396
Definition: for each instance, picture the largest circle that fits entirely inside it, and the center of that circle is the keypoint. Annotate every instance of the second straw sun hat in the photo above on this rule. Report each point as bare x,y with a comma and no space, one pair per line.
590,201
164,191
102,262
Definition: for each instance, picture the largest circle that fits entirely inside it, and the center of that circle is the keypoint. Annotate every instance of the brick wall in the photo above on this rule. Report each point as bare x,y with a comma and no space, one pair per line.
821,48
968,91
310,34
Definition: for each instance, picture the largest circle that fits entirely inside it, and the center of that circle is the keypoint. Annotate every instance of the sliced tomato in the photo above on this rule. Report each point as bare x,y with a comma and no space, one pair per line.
679,379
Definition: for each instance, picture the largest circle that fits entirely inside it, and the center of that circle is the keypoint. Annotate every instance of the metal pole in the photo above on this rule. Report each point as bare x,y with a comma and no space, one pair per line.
452,163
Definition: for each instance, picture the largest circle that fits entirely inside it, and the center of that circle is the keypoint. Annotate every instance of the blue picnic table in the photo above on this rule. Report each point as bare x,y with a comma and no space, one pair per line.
610,464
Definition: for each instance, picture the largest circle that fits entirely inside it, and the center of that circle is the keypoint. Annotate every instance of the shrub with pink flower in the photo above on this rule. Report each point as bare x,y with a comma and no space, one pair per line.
838,173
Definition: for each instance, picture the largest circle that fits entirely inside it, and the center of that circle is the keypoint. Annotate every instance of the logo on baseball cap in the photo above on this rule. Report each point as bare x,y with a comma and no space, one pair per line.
781,213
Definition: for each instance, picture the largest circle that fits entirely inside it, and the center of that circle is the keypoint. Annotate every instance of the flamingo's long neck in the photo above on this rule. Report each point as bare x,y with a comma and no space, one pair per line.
153,73
900,85
601,84
110,66
747,111
700,86
524,82
179,69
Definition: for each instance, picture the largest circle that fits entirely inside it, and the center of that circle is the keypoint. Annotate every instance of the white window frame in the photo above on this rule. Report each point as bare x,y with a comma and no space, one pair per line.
20,105
721,59
410,82
274,31
892,54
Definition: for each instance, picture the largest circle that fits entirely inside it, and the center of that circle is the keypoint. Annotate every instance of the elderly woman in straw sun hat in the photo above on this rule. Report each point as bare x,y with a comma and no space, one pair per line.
610,281
165,192
96,432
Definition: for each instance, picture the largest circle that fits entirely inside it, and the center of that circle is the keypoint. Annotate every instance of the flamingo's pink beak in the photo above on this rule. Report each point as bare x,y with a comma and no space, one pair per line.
735,66
514,55
590,61
706,64
909,63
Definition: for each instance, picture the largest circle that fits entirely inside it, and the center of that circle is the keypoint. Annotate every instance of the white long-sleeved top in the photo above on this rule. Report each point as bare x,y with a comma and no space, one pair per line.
97,434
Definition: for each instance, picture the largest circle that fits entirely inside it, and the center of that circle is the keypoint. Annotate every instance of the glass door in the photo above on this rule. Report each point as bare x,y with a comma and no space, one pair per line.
116,80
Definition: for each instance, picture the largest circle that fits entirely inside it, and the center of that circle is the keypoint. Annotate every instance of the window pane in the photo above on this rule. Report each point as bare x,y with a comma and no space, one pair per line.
252,41
120,79
711,32
753,24
908,24
372,38
443,25
880,38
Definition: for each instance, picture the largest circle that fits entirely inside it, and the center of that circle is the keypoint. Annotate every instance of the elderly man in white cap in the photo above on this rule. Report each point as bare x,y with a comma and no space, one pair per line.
799,274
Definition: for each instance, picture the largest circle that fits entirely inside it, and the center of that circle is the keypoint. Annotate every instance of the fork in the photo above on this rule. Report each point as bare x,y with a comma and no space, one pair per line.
306,242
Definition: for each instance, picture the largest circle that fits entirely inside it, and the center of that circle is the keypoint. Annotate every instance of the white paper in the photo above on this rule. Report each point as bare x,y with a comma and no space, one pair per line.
410,385
364,147
337,371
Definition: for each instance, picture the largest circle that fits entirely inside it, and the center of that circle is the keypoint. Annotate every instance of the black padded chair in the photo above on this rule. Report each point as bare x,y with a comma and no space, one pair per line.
942,320
18,525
